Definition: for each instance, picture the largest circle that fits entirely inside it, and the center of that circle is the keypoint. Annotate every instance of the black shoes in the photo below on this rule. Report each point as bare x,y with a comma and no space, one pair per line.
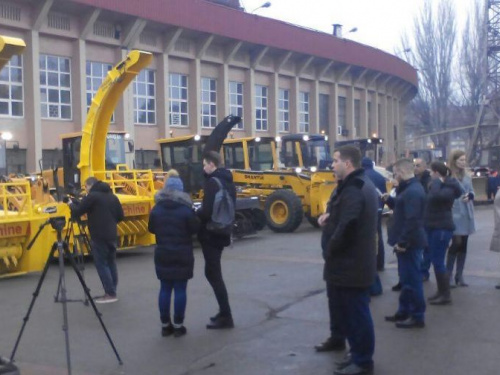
354,369
215,317
396,318
221,322
397,287
167,330
410,323
181,331
331,345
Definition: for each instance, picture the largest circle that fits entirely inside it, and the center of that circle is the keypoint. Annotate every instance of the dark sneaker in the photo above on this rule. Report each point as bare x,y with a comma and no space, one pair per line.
331,345
167,330
354,369
397,287
396,318
106,299
410,323
181,331
221,322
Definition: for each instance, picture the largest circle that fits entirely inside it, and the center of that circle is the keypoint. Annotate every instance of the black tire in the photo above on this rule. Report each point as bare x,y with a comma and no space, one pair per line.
283,211
312,220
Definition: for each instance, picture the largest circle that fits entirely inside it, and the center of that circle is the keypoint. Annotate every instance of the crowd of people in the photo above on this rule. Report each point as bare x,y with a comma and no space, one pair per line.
433,216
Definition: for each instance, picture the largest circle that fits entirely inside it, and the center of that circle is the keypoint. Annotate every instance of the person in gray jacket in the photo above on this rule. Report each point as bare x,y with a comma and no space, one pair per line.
463,218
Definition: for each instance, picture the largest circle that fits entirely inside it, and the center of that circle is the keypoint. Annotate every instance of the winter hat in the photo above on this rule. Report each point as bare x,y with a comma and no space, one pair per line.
173,181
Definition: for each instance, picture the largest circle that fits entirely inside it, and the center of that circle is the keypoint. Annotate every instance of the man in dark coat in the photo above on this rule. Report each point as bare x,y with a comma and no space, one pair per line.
349,249
379,182
104,212
422,173
173,222
212,243
407,235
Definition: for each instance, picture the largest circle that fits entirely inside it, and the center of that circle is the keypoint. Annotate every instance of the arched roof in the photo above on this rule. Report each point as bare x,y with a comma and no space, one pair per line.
220,20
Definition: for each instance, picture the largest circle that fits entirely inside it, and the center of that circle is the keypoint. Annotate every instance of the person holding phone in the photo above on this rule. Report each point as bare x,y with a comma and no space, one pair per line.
463,218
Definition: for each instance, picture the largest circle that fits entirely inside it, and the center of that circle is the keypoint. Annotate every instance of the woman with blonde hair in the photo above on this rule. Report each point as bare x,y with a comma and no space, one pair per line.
463,217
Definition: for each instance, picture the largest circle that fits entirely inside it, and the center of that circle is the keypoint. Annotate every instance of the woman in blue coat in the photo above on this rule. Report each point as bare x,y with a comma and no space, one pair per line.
173,222
463,217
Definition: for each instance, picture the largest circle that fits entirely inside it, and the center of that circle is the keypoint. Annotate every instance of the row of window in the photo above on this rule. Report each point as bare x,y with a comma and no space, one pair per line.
55,97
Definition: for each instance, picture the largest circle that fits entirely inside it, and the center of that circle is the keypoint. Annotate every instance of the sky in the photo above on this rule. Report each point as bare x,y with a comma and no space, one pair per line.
380,23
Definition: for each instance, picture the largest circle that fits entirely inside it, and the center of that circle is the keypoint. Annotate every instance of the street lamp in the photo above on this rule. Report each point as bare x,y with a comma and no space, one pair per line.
6,136
267,4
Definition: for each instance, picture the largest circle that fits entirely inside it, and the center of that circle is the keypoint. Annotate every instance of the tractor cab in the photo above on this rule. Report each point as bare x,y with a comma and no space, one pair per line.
369,147
118,145
185,155
310,152
250,153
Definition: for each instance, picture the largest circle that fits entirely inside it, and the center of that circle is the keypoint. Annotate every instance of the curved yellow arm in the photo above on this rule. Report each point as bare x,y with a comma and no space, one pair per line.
93,146
9,47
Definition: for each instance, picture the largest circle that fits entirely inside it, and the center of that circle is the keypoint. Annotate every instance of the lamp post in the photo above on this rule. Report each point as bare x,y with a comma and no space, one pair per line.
267,4
4,137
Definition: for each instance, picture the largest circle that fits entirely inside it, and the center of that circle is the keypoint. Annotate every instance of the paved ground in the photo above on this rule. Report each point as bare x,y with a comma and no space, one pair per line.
279,304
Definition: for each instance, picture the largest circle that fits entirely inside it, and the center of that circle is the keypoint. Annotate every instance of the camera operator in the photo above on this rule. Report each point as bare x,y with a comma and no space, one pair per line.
104,212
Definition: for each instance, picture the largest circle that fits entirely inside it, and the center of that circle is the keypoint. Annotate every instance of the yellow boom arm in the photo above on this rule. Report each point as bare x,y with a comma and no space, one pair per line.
93,147
10,47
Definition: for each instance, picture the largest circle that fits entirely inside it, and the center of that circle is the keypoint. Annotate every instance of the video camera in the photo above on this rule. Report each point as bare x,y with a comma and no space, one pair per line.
57,222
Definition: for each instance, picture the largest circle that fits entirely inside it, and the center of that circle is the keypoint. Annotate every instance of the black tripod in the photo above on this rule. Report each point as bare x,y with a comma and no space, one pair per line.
80,240
61,247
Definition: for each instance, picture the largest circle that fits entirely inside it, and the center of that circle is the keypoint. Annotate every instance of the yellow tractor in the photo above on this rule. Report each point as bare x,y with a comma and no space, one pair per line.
287,192
26,203
185,154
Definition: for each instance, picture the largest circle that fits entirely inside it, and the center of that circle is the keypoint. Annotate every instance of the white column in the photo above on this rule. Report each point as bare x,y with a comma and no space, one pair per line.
32,101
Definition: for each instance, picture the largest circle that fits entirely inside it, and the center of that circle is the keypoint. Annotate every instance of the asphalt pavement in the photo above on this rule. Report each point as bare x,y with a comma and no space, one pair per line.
279,305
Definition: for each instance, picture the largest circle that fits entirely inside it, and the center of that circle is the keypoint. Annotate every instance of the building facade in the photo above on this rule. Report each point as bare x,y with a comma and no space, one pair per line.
210,60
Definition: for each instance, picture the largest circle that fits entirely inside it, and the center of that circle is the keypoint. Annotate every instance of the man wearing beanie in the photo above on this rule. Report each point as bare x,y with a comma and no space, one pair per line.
173,222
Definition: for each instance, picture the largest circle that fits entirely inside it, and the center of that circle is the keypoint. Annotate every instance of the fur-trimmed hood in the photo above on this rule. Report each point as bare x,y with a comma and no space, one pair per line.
174,196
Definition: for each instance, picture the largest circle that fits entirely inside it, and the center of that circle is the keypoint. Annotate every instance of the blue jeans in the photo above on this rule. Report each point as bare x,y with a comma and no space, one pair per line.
425,265
180,299
411,298
104,254
438,240
351,307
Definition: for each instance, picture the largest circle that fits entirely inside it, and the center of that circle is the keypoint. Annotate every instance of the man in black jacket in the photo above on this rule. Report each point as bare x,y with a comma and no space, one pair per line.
104,212
349,249
408,237
212,244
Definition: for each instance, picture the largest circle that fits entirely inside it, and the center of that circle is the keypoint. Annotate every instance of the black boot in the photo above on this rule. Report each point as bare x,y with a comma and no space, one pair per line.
397,287
443,281
221,322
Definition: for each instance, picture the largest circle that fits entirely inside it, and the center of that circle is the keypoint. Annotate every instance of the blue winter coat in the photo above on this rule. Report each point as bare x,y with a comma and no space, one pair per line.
407,228
173,222
463,212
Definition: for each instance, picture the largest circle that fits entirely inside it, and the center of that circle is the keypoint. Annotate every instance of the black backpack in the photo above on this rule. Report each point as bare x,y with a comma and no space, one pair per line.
222,218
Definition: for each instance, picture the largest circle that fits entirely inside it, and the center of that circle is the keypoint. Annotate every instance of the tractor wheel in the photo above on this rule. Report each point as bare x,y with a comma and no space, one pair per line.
283,211
312,220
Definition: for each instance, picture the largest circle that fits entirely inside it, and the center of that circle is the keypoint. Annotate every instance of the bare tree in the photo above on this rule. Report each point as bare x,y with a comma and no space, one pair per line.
472,69
432,55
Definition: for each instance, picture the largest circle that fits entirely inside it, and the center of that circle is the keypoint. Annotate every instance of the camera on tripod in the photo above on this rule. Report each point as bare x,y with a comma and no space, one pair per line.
58,222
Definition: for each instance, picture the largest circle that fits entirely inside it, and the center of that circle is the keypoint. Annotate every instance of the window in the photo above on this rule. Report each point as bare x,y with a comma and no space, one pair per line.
144,98
324,113
11,88
236,101
284,110
55,87
357,118
178,100
341,118
260,107
208,102
96,72
303,112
